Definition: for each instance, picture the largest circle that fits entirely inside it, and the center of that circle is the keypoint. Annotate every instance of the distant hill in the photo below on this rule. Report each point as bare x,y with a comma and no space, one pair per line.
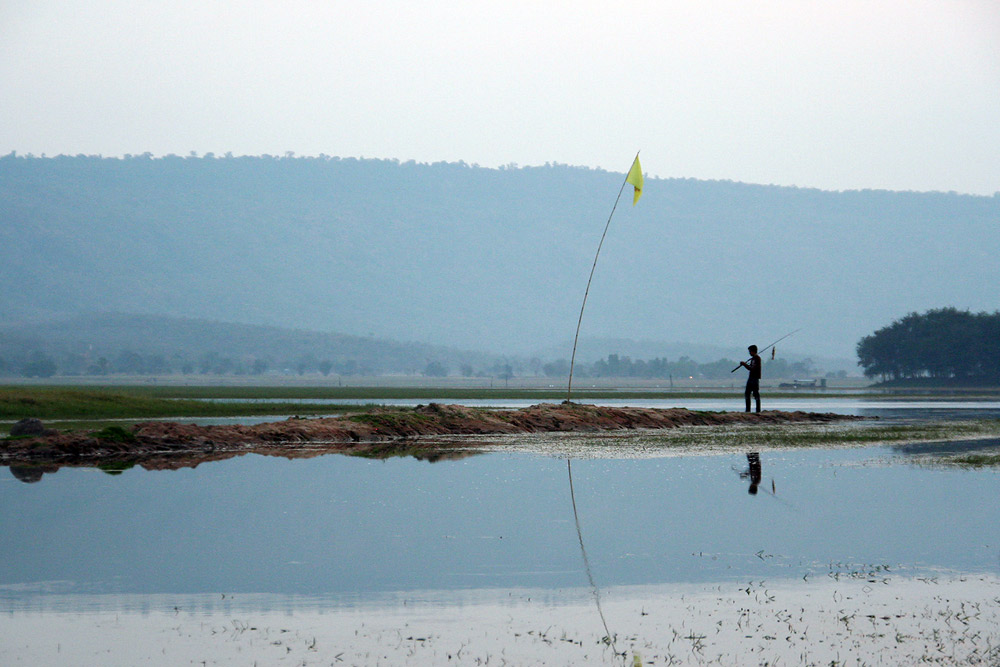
485,259
111,344
159,344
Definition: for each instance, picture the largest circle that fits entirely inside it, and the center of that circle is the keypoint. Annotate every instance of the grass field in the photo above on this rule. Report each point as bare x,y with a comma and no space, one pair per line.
105,403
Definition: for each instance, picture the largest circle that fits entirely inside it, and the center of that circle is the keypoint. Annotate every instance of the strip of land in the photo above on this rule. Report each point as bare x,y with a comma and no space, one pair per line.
362,433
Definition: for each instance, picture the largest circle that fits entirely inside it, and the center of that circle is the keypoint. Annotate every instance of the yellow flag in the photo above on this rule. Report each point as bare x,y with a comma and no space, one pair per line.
635,179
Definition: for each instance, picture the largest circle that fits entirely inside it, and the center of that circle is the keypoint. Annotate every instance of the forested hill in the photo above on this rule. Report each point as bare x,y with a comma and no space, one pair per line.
489,259
119,343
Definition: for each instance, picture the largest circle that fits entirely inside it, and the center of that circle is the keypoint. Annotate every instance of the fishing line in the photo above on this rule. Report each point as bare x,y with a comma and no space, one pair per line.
761,351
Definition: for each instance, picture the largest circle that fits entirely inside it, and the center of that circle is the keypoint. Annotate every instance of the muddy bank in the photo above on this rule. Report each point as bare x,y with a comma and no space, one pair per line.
380,432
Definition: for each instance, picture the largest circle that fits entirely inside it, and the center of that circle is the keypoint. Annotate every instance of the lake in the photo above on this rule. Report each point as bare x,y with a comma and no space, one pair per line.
492,551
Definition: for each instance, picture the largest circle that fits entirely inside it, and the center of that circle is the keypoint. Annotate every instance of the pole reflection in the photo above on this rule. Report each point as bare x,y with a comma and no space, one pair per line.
595,591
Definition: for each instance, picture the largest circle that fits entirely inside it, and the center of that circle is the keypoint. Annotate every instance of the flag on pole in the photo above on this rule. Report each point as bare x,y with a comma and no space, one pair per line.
635,180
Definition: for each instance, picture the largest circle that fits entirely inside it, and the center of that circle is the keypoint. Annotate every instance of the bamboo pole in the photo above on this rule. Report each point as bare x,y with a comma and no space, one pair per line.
576,338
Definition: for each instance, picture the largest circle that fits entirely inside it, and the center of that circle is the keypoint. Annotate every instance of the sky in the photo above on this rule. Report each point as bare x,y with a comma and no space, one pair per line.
844,94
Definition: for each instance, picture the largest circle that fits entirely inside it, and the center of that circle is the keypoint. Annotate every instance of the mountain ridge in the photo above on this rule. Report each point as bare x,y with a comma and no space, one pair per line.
475,258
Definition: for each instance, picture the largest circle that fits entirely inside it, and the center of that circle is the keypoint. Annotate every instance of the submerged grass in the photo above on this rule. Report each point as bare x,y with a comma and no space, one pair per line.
707,439
866,433
975,460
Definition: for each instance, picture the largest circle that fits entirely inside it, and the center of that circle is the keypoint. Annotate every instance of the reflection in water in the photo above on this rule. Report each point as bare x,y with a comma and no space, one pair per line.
257,523
31,474
586,561
426,450
753,472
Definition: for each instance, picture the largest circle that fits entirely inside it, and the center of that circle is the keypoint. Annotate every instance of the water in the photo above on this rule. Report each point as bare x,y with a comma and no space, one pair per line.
228,552
337,526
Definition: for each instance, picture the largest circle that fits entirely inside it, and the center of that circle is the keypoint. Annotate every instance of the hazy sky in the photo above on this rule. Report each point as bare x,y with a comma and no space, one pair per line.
836,94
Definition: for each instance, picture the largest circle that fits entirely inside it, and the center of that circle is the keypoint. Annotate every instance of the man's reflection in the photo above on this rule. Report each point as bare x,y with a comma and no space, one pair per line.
753,472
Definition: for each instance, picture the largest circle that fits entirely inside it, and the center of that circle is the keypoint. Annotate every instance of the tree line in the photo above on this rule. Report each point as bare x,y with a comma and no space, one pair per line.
40,364
944,343
685,367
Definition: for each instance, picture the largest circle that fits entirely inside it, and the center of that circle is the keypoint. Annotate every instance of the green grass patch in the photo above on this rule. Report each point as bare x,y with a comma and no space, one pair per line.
115,434
393,420
106,403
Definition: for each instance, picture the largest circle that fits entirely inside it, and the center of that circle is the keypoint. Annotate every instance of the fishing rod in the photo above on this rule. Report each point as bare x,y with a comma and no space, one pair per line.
769,347
773,493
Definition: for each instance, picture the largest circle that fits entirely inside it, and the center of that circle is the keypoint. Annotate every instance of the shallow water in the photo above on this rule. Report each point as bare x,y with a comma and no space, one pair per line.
240,554
340,526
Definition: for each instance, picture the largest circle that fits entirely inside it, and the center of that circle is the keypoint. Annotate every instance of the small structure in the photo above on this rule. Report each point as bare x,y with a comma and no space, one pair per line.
804,384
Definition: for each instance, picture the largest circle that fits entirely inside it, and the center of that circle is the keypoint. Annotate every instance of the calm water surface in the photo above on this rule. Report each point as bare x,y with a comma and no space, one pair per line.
341,529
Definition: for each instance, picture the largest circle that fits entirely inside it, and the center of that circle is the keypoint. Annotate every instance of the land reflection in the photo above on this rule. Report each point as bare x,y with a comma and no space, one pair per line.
31,474
428,451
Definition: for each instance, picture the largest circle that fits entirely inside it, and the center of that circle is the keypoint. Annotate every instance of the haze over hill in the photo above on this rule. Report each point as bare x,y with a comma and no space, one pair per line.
483,259
117,343
120,344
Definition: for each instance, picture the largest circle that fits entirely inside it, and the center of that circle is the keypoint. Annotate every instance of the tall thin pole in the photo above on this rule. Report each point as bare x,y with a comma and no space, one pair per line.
572,360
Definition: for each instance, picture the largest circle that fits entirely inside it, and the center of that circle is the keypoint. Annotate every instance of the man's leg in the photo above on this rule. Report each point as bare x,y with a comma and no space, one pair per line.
746,395
756,395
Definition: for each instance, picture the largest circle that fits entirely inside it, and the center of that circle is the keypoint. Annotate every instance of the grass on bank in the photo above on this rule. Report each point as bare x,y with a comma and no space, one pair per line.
96,404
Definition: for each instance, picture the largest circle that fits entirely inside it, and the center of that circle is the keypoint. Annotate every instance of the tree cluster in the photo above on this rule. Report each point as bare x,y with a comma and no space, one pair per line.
943,343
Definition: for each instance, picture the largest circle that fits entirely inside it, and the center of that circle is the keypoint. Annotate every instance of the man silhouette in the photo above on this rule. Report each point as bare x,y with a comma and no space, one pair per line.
753,380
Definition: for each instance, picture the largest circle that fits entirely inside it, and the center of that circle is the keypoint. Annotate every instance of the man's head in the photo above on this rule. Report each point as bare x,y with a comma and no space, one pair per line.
752,349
